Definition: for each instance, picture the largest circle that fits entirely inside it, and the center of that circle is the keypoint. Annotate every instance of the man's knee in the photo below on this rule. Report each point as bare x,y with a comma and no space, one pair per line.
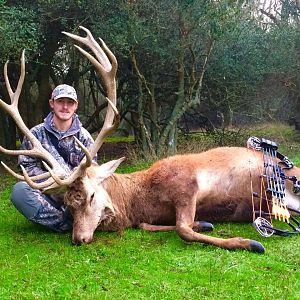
18,192
36,207
24,199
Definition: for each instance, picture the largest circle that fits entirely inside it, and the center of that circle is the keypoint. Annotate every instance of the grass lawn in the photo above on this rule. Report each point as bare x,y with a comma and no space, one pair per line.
36,263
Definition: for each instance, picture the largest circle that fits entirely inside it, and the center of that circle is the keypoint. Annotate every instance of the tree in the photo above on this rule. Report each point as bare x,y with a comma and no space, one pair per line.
175,57
164,42
15,36
37,27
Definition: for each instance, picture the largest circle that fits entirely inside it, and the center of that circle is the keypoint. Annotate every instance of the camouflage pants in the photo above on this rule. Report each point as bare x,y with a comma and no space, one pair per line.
39,208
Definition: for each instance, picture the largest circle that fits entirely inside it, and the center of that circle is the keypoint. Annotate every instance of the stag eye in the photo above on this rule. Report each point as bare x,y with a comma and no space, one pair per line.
92,198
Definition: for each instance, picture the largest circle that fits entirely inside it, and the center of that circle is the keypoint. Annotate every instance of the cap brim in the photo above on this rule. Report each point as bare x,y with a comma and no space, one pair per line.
65,96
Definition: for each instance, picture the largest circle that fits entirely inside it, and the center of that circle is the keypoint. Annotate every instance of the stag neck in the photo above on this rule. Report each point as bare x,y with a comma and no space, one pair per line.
130,183
125,190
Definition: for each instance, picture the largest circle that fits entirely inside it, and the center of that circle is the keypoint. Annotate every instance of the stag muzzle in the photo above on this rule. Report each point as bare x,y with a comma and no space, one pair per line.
79,239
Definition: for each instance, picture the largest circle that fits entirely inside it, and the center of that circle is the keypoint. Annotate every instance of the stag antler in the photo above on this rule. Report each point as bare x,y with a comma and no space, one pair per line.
106,66
37,149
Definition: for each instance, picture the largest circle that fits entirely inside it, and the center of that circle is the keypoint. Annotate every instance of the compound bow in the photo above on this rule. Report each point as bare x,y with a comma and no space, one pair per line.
275,179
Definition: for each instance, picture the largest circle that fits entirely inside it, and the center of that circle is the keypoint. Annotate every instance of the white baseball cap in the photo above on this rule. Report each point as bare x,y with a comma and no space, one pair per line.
64,91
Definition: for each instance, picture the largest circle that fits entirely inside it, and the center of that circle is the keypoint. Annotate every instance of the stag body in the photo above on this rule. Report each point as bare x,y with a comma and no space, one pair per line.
174,193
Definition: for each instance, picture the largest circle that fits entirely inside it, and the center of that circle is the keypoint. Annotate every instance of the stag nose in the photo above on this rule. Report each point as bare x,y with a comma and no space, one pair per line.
81,240
77,242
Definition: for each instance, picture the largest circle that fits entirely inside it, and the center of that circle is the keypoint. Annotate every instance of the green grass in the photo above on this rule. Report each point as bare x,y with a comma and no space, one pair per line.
285,136
116,139
39,264
36,263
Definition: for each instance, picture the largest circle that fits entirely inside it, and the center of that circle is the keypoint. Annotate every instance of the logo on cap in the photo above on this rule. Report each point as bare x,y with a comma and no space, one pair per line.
64,91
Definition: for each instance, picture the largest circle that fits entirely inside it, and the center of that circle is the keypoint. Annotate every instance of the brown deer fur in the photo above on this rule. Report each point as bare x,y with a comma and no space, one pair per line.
177,191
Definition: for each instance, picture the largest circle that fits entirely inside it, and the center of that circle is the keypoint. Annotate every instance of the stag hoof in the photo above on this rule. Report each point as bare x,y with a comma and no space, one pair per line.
256,246
202,226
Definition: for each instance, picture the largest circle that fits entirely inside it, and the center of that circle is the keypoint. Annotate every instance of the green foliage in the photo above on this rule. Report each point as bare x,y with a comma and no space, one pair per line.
18,30
141,165
116,139
165,36
246,59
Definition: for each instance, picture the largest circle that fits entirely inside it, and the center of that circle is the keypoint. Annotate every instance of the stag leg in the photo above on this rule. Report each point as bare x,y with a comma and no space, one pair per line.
185,216
198,226
156,228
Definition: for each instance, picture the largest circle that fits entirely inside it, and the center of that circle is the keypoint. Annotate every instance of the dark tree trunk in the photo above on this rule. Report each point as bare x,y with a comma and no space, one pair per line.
7,131
297,115
7,125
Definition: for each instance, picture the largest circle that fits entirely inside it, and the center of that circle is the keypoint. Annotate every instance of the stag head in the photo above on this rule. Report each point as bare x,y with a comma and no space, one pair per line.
88,201
85,196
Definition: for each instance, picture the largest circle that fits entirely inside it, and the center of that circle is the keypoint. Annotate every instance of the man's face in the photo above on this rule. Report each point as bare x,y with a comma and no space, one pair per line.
63,108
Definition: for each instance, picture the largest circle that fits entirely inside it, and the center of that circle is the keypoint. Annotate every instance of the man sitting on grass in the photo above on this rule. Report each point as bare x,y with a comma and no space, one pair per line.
56,134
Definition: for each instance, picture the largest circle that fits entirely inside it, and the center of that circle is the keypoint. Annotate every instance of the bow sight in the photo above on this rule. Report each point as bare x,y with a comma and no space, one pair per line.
273,173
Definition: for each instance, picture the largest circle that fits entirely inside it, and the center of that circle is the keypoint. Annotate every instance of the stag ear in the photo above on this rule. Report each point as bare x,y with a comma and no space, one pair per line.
107,169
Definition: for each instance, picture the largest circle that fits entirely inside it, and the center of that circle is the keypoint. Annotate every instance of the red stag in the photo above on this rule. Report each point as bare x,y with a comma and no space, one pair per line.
173,194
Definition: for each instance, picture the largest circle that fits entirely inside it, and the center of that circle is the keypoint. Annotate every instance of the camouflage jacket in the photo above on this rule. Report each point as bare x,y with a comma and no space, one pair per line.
71,152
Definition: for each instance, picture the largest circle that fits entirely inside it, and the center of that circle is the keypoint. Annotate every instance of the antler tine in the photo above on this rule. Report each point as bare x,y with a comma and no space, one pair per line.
92,59
88,157
20,177
53,175
34,185
14,96
11,172
109,129
112,58
91,43
31,152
